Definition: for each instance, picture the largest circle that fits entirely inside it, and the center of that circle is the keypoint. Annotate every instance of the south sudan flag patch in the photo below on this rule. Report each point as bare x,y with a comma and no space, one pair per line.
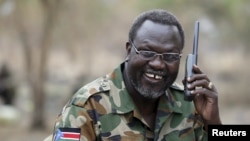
67,134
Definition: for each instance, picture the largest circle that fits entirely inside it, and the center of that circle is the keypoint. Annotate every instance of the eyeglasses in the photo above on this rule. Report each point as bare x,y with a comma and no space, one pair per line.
168,57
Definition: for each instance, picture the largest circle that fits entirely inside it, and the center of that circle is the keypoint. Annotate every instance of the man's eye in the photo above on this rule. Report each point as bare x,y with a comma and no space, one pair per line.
171,57
147,53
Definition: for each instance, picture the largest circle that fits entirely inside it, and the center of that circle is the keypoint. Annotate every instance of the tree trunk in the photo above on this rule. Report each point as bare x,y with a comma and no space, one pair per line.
36,58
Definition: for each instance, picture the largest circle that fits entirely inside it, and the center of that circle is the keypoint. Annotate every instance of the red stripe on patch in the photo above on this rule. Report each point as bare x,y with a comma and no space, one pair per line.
72,136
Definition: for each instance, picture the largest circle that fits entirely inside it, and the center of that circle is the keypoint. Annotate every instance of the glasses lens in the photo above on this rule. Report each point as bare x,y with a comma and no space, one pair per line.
171,57
147,54
168,57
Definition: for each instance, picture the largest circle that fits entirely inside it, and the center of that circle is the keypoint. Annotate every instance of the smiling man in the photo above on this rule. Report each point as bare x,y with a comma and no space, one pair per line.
140,99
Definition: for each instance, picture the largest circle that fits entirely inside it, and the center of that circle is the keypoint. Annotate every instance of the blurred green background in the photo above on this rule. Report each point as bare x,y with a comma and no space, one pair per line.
53,47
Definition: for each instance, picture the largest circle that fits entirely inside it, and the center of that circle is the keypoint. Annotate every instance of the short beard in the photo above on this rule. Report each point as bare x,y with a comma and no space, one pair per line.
147,92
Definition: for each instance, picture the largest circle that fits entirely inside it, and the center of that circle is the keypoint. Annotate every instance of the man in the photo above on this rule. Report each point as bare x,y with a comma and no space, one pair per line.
140,100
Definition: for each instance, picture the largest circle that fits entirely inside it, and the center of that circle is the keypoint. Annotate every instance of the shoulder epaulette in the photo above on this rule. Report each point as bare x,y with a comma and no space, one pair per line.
97,86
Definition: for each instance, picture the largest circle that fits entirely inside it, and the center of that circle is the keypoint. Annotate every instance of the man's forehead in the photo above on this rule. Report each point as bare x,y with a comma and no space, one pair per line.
153,29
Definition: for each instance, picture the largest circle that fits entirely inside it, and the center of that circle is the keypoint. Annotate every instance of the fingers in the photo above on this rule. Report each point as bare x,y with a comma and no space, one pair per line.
200,84
198,74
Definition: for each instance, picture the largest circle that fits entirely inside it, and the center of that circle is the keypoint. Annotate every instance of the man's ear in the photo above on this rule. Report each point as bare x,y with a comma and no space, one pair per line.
128,49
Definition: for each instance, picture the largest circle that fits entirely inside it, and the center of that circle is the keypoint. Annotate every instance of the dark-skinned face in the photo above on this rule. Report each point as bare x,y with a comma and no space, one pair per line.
151,77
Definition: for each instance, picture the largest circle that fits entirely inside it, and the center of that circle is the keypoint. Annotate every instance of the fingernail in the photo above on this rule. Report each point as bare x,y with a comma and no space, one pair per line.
189,85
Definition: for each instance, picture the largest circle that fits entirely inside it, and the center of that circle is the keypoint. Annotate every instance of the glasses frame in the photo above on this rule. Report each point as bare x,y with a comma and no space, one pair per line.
155,53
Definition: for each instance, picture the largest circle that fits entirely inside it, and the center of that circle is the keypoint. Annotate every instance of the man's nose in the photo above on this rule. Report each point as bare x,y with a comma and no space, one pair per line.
157,62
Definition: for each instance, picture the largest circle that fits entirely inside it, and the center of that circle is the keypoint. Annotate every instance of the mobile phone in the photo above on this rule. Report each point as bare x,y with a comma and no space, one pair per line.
190,61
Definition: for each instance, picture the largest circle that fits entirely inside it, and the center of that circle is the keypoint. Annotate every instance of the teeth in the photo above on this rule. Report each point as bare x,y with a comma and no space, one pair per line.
150,75
158,77
154,76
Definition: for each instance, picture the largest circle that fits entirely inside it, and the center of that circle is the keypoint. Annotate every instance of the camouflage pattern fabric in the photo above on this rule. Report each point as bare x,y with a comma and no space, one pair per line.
103,110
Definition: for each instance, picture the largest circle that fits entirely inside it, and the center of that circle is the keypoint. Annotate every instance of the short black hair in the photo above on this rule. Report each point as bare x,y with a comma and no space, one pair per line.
158,16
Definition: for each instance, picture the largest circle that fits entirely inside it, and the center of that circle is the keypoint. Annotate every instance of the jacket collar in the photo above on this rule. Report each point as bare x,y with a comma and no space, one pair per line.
122,103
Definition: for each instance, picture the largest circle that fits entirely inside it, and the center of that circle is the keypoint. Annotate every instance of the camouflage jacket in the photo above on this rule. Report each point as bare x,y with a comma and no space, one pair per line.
103,110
